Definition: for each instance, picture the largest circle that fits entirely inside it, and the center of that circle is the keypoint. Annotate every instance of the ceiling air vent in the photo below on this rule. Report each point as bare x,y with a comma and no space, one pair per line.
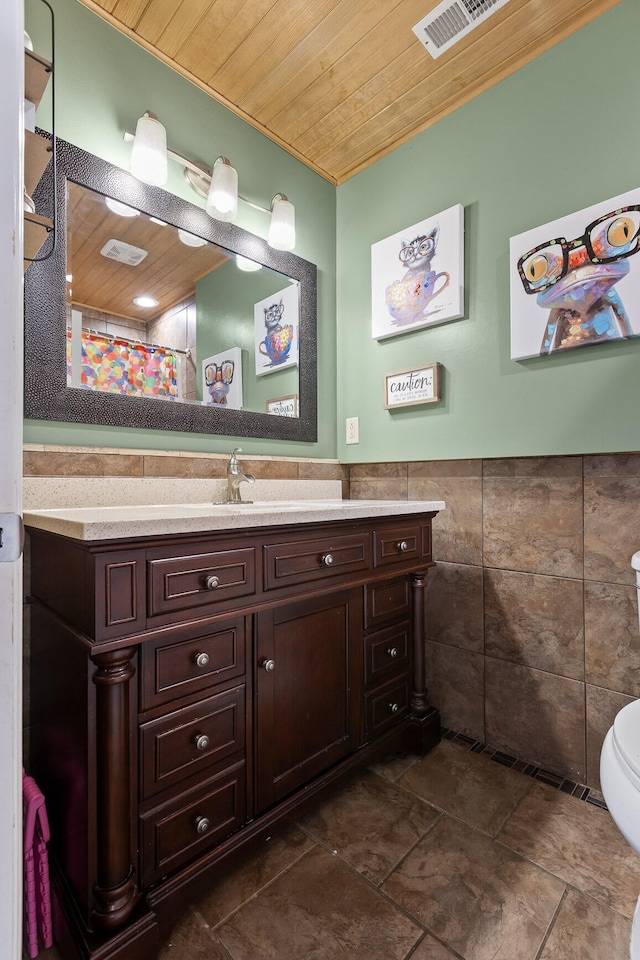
452,20
123,252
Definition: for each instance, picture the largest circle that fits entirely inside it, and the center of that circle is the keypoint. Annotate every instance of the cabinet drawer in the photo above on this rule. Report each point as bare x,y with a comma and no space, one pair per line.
189,741
401,543
204,658
386,601
385,706
300,561
386,651
196,820
186,583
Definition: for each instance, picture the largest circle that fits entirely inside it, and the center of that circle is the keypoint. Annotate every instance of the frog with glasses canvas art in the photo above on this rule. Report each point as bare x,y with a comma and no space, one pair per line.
575,280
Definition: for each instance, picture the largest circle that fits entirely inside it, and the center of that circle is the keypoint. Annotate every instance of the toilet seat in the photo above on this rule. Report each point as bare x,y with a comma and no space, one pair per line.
626,741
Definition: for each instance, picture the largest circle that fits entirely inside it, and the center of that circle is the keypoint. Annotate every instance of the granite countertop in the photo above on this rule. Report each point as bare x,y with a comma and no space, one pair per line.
120,522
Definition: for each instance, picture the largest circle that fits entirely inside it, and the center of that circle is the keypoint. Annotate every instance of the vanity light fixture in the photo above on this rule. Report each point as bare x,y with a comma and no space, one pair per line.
122,209
222,198
282,229
149,152
190,239
244,263
219,186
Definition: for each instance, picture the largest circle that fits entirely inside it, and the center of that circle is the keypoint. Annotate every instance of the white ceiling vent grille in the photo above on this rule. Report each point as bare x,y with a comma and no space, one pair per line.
452,20
123,252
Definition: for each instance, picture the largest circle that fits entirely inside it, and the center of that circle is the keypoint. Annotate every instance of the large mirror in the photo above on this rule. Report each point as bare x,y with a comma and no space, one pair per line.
224,341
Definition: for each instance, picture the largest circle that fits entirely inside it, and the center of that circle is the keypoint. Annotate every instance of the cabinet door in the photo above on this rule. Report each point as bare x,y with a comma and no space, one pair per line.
308,690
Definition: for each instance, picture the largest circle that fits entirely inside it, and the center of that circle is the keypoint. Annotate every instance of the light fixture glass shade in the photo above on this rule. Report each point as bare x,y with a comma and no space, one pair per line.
222,199
190,239
282,229
244,263
149,153
122,209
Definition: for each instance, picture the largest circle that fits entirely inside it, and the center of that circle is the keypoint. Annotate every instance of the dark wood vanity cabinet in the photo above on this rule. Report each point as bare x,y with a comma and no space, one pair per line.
189,693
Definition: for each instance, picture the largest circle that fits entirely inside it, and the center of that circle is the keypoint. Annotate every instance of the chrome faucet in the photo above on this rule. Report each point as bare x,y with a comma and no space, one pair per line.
235,477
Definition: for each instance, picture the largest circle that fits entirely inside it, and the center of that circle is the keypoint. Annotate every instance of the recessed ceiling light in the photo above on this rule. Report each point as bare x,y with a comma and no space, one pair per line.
145,301
122,209
161,223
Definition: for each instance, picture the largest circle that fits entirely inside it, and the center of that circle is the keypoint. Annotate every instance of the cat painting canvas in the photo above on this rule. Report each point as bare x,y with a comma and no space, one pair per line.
417,275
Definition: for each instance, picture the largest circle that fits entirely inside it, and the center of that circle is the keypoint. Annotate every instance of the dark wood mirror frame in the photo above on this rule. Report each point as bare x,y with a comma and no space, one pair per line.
47,396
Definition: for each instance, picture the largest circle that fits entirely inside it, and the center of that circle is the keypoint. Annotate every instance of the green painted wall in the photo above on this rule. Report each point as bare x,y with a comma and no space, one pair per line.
104,82
559,135
220,302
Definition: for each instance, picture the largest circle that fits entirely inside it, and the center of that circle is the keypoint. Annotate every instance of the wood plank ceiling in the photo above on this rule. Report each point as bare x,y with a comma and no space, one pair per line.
339,83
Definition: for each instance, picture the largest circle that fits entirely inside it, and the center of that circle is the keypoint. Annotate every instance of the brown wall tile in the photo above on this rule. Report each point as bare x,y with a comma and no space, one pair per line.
535,621
533,467
534,525
187,467
456,687
445,468
46,463
611,528
268,469
602,707
536,716
457,530
454,606
612,637
310,470
389,489
378,471
612,465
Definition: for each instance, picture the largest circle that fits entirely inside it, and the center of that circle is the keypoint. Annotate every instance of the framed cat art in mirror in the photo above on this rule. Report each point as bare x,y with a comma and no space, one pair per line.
141,288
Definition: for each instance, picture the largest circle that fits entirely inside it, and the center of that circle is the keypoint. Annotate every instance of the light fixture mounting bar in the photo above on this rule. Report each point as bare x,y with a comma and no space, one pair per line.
198,176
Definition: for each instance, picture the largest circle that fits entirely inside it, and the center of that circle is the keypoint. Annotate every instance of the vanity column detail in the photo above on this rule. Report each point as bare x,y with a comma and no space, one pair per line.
425,719
116,891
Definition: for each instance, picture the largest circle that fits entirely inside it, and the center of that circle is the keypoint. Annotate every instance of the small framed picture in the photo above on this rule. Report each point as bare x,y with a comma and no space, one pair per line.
408,388
276,326
283,406
222,379
417,275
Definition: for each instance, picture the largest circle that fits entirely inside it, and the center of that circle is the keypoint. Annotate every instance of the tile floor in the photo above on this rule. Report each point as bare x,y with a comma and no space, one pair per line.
450,856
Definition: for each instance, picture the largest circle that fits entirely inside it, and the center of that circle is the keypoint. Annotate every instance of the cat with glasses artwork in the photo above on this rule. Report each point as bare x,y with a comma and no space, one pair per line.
576,280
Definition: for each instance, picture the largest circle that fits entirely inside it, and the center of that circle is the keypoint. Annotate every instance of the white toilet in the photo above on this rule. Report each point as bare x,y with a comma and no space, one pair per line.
620,776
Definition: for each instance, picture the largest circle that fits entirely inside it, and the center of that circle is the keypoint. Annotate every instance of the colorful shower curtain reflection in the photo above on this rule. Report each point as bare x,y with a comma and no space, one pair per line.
118,366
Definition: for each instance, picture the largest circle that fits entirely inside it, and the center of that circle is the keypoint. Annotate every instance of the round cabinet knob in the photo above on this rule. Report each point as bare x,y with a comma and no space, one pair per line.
327,560
201,659
403,546
202,824
269,666
201,741
393,653
211,583
393,707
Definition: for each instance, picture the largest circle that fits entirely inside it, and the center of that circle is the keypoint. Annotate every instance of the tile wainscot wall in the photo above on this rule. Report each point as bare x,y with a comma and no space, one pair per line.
532,634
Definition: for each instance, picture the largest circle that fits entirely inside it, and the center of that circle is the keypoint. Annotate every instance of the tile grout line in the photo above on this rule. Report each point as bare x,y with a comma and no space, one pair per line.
552,924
